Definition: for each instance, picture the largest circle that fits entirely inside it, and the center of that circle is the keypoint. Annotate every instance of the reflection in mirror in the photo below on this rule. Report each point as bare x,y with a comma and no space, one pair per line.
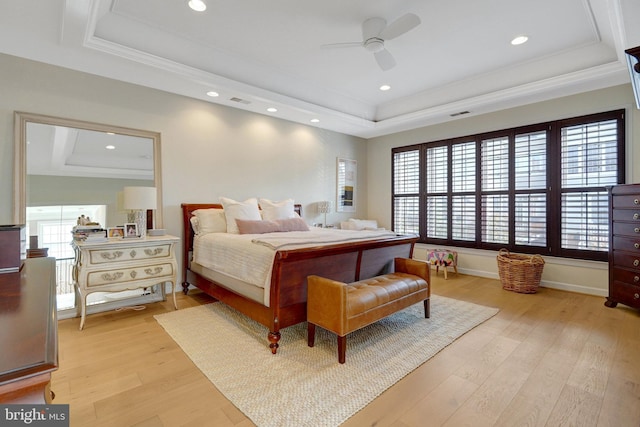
66,170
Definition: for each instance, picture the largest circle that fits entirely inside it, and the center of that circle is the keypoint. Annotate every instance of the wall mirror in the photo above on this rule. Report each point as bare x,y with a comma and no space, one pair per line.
65,168
62,161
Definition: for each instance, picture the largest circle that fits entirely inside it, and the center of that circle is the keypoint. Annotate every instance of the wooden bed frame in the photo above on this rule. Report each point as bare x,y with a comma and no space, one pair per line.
346,262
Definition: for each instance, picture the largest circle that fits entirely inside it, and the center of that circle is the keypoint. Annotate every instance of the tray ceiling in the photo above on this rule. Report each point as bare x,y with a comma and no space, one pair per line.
258,54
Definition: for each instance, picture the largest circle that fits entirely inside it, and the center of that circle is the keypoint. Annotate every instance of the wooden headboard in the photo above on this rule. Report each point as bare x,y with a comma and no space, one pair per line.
187,213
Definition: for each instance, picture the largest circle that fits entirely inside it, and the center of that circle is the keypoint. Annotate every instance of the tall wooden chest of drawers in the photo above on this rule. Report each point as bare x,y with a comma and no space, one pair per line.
624,246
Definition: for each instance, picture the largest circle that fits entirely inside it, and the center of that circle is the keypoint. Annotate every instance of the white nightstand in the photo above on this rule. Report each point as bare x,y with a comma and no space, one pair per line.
124,264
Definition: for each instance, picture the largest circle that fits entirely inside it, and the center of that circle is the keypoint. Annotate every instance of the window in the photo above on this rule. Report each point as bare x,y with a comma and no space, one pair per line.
536,189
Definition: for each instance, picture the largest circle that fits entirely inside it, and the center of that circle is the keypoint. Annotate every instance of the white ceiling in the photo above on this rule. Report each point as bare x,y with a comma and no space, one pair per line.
270,53
65,151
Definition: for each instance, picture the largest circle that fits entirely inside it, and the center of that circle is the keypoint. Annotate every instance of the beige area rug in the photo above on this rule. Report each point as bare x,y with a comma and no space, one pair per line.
304,386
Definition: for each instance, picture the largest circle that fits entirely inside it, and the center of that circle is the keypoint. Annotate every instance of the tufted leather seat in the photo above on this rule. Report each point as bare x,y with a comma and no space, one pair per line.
343,308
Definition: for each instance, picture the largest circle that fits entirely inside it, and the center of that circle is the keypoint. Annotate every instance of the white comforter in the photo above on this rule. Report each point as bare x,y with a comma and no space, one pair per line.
249,257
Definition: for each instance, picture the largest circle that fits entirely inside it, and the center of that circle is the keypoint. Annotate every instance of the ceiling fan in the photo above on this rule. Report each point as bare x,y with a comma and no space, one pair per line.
375,32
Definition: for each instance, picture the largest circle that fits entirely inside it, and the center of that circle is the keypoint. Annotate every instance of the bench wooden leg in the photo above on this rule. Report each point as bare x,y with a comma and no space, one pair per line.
427,309
311,334
342,348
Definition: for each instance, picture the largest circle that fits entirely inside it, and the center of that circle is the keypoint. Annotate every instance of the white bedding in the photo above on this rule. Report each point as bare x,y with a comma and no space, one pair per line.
249,257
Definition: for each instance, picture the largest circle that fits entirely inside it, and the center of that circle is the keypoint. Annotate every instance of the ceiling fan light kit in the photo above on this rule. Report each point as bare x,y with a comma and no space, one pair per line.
375,32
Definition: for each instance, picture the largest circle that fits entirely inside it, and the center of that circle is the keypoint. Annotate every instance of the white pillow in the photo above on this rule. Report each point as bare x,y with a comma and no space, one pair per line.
209,221
359,224
239,210
277,210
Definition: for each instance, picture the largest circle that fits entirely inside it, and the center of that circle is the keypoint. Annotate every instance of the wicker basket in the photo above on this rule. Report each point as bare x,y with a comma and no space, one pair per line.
520,273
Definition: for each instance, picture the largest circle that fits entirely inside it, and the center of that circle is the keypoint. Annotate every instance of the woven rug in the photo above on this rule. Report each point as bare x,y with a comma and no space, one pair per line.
304,386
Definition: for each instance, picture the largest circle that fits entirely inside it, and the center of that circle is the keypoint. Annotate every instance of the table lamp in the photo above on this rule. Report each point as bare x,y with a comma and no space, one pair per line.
137,200
324,207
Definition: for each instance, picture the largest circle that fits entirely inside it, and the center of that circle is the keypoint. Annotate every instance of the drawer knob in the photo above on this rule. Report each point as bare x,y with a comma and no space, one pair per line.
636,216
636,201
636,262
636,245
636,279
637,230
636,295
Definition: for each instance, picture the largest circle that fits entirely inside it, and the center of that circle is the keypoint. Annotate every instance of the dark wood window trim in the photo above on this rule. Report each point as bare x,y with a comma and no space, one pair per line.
531,217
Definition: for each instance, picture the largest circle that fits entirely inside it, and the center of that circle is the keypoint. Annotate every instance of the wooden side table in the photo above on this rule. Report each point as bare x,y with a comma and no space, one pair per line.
123,264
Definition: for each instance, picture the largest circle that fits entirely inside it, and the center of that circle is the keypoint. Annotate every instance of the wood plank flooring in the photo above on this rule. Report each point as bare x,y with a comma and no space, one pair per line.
549,359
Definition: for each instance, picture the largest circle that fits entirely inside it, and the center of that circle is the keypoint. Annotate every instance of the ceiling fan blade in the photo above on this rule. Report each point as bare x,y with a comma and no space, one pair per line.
400,26
339,45
385,60
372,27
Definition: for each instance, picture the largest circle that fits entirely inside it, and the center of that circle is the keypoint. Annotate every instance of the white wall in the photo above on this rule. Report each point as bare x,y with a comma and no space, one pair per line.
207,150
574,275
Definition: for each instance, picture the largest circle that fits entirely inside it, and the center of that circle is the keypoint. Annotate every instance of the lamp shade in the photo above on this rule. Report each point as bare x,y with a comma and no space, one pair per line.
324,207
139,198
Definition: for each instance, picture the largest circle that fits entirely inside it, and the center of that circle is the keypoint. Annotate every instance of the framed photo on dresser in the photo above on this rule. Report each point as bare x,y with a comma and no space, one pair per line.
115,232
130,230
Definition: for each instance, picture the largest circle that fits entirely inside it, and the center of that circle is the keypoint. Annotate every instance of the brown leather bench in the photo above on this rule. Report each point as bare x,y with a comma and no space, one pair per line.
343,308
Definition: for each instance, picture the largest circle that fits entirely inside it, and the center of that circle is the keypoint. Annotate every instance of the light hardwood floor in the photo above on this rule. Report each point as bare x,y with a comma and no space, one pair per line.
549,359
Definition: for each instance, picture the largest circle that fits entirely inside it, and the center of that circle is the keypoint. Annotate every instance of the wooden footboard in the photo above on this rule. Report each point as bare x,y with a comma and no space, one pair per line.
347,262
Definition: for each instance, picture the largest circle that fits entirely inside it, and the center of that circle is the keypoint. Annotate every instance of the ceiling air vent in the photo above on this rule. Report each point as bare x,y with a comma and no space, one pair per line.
459,114
240,100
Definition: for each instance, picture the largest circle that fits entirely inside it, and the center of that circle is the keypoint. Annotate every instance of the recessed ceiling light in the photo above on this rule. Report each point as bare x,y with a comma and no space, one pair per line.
110,147
272,110
197,5
385,87
519,40
315,120
213,93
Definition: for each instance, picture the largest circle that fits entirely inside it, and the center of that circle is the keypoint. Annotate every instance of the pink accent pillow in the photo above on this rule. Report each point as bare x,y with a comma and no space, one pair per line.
247,226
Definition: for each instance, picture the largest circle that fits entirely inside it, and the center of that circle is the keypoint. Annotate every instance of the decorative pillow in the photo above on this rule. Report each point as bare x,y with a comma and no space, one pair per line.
278,225
277,210
209,221
292,224
239,210
246,226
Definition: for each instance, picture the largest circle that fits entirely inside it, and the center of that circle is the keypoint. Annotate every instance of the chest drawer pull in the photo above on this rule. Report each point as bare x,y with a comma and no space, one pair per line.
636,245
636,262
636,295
636,201
636,279
636,230
636,215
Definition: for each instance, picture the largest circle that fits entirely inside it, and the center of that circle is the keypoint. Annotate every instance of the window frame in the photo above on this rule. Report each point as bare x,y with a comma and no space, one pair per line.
553,192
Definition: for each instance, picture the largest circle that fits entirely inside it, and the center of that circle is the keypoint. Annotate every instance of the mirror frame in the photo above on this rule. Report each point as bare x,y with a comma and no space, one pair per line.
20,156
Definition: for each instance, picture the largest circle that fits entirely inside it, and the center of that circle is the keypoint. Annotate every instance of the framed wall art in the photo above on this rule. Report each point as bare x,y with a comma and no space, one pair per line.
346,194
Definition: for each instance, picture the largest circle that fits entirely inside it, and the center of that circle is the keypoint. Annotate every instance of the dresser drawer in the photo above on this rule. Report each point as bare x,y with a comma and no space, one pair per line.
623,201
626,260
625,293
124,254
115,276
626,228
627,244
630,277
630,215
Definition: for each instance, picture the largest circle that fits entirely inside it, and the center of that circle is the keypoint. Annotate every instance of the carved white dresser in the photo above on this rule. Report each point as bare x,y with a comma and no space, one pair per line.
123,264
